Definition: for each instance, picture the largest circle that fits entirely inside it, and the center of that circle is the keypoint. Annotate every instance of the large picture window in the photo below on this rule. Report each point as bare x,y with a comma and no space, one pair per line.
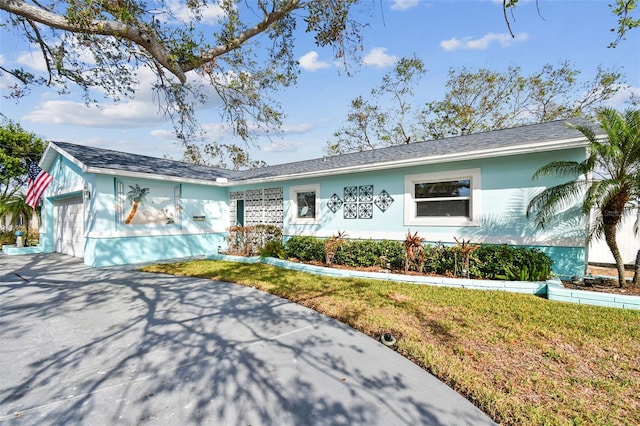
305,202
443,199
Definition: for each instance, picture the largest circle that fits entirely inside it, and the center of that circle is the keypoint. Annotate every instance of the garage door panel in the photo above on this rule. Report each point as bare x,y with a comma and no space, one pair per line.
68,217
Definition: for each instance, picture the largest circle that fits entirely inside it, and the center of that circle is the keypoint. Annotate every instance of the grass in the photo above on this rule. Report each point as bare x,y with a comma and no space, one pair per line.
519,358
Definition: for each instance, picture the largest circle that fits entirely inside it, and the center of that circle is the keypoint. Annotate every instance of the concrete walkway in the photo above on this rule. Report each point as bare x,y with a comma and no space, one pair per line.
113,346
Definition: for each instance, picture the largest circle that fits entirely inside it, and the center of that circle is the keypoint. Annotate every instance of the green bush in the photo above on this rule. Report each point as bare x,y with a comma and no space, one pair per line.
365,253
487,261
512,263
7,238
393,251
305,248
437,259
274,248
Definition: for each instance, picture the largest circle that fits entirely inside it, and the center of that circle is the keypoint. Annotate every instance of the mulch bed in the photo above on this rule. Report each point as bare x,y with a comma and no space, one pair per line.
598,284
604,286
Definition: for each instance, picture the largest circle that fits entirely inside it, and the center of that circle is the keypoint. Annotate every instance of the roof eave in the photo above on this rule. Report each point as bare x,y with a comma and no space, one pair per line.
578,142
154,176
53,150
446,158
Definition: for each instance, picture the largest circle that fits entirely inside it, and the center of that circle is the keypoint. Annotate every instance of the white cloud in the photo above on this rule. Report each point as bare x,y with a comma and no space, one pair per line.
35,61
378,57
126,115
220,131
163,134
137,112
125,143
140,111
282,146
297,128
6,80
482,43
309,61
211,12
621,100
403,4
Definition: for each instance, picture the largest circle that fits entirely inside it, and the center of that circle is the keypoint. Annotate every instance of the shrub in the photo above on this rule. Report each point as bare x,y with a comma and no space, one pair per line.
438,259
274,248
305,248
7,238
393,252
413,252
366,253
332,245
484,261
513,263
248,240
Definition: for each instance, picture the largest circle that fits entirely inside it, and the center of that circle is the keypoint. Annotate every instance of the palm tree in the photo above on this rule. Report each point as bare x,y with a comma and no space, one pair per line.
636,228
135,196
610,179
14,206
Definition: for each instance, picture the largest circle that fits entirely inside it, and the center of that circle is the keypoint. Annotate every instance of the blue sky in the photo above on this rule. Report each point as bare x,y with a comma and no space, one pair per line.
444,34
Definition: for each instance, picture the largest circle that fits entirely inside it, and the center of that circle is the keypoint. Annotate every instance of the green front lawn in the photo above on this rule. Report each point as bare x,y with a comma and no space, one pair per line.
520,358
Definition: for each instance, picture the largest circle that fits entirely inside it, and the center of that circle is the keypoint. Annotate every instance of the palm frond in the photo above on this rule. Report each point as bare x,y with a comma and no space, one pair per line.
547,203
610,189
571,169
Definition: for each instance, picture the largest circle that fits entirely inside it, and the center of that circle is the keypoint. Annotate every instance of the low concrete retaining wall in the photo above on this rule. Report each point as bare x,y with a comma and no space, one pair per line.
10,249
593,298
527,287
551,289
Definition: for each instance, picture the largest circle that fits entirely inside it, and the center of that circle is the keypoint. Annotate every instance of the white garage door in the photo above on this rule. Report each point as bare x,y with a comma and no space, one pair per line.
68,223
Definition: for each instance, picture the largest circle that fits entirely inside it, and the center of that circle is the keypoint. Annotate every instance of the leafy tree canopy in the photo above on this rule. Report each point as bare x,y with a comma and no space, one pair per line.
474,101
625,12
16,147
369,125
484,100
225,156
242,51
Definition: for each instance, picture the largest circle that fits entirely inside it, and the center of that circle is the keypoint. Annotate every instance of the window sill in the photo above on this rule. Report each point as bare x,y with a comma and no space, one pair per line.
441,221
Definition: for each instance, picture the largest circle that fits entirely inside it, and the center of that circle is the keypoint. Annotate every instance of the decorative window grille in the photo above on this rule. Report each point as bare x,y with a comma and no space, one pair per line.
261,206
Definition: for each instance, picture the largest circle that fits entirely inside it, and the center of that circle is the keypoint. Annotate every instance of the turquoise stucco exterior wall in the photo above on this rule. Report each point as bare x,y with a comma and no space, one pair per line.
109,242
202,220
139,249
68,181
196,228
506,187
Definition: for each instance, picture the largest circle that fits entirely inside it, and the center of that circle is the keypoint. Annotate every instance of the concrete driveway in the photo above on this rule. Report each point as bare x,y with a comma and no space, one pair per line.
114,346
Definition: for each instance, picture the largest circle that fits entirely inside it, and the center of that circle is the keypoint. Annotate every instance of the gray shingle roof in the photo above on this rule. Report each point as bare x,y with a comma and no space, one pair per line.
463,145
125,162
497,139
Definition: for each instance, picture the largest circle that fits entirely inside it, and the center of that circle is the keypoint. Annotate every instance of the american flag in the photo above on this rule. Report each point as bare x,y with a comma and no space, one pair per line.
38,181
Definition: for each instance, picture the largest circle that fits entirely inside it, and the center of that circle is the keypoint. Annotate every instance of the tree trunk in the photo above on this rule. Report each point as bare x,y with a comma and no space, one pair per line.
132,213
610,238
636,274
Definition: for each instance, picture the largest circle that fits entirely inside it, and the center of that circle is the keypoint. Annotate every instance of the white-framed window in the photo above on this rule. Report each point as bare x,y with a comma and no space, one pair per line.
449,198
305,204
